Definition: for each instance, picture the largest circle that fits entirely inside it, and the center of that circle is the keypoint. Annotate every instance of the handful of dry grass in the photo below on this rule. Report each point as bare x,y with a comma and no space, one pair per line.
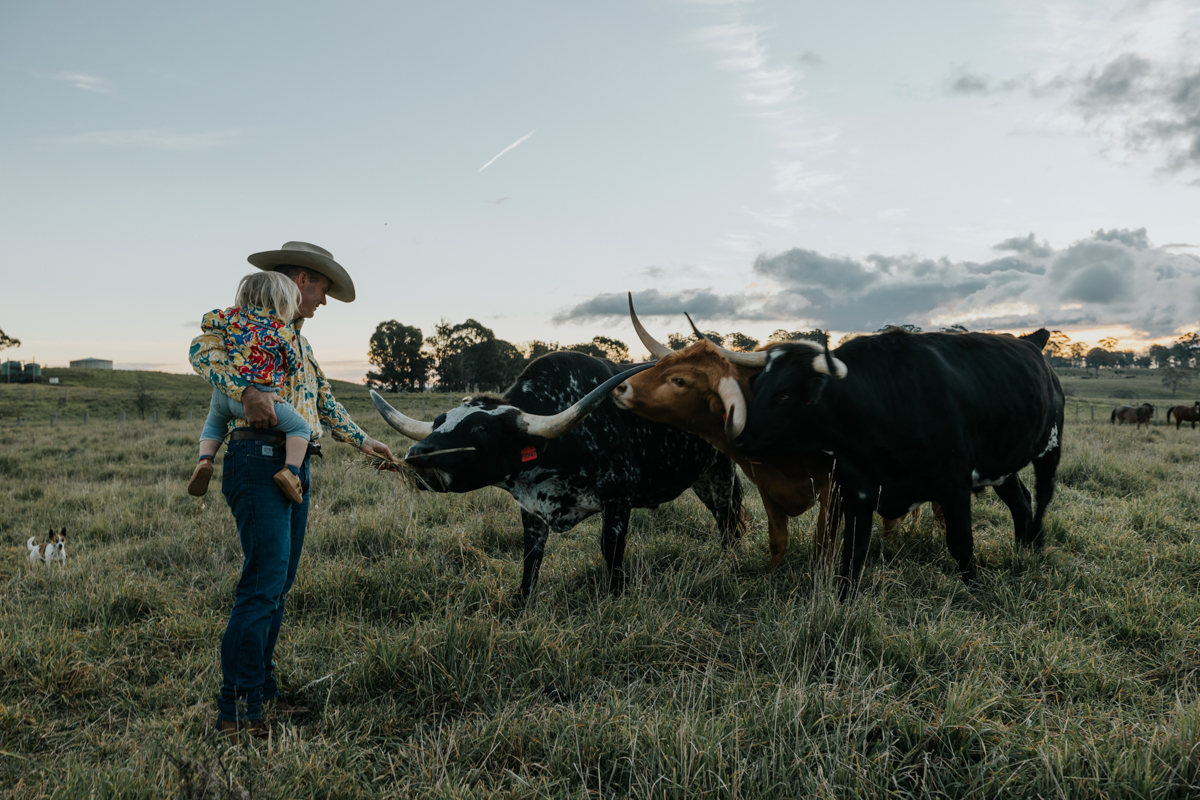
409,475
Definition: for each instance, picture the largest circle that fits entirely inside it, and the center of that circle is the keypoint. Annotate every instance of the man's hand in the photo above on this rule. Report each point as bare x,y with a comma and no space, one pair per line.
260,408
370,446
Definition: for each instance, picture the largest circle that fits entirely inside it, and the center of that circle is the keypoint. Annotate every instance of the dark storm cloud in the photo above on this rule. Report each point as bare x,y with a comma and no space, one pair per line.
651,302
1113,276
967,83
1118,83
1026,246
806,268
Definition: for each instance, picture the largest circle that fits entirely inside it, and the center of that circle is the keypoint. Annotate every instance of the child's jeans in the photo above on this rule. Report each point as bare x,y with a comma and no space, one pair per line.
223,408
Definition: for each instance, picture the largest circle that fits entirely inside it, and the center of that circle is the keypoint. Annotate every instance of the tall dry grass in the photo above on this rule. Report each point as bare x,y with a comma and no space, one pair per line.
1070,673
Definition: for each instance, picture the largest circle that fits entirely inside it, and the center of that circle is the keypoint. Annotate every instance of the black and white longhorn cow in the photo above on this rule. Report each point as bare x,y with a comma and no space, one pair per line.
910,417
563,466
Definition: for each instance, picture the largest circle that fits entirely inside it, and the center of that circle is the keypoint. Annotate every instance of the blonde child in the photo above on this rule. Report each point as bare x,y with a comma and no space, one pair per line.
261,344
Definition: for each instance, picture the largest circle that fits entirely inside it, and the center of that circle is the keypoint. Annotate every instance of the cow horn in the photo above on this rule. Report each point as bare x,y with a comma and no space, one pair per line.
735,407
829,365
755,359
551,427
406,425
657,349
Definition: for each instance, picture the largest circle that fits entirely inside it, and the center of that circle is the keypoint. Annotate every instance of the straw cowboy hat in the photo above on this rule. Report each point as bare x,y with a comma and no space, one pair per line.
303,254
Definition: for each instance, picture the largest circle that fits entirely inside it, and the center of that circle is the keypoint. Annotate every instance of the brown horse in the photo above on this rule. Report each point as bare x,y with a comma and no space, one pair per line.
1139,414
1184,414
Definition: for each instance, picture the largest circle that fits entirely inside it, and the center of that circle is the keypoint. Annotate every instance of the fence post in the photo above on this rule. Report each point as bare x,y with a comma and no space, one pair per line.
154,416
52,416
189,415
86,415
1093,408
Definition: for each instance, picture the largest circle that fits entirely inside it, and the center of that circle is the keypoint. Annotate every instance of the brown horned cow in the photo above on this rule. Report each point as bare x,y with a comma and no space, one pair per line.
1184,414
695,389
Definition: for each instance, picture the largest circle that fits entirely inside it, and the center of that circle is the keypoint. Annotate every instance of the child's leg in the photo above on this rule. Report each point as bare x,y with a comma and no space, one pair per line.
209,447
296,447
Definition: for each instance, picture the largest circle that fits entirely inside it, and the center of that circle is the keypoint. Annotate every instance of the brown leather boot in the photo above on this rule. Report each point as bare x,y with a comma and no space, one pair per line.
198,483
251,729
290,485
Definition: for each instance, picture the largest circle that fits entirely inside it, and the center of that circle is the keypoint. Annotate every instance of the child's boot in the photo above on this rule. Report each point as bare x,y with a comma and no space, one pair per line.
198,484
289,482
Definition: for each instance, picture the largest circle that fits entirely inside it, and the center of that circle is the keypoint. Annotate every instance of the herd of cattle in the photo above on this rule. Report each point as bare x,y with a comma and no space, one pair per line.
1145,414
879,425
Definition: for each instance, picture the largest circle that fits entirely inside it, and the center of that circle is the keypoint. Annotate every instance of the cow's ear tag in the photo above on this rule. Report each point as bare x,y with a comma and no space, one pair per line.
528,453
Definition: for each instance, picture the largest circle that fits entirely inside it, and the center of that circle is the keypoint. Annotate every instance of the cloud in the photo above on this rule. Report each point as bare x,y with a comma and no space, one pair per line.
153,138
651,303
1130,79
91,83
1110,277
1025,245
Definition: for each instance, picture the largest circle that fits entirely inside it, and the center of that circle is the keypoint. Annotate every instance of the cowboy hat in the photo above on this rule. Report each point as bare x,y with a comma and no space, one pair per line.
303,254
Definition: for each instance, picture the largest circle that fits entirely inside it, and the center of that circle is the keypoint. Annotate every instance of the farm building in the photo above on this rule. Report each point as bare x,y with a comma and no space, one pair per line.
91,363
20,372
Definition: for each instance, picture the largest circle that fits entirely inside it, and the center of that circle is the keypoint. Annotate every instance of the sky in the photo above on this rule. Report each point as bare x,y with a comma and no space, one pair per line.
1001,165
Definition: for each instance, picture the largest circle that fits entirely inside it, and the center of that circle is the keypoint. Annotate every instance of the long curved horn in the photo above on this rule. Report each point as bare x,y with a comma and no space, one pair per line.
551,427
829,365
756,359
735,407
657,349
406,425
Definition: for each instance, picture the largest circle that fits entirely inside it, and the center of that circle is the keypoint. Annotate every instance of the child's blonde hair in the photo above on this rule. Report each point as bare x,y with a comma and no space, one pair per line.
269,291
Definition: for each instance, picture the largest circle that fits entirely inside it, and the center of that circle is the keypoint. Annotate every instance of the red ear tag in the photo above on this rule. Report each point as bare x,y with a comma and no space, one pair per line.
528,453
724,417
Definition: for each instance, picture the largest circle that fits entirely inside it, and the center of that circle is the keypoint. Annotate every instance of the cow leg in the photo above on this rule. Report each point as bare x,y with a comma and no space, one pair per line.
1043,470
1015,495
777,532
960,541
536,534
856,539
720,490
612,543
823,536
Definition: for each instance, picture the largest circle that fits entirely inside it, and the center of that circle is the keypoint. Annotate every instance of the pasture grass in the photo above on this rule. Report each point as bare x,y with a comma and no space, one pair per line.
1066,673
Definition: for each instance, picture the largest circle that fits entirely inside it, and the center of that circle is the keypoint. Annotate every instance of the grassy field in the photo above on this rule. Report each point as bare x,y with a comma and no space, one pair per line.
1070,673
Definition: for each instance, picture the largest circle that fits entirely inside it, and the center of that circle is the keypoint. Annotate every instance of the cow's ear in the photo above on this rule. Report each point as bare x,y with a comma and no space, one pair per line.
816,387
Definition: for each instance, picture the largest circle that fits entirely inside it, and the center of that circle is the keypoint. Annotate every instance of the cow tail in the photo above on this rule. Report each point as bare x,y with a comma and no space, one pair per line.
1113,418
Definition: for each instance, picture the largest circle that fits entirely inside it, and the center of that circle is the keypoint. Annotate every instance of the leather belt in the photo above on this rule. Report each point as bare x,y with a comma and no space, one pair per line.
272,436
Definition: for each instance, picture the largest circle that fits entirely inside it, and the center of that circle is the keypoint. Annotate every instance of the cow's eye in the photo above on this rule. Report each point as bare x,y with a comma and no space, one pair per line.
678,382
785,398
480,428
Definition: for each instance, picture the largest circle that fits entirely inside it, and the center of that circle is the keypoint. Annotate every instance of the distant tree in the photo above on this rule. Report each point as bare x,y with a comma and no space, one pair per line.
536,349
1185,349
396,349
588,349
143,398
7,341
1142,360
1160,354
678,341
739,342
1108,343
1077,353
1098,357
469,357
906,327
954,329
816,335
1056,349
1175,377
614,349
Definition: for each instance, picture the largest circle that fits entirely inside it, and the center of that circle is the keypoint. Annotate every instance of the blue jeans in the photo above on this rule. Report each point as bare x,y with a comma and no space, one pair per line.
271,529
223,408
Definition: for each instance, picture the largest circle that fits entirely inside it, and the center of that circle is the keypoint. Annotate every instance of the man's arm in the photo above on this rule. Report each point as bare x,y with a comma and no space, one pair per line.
337,420
209,359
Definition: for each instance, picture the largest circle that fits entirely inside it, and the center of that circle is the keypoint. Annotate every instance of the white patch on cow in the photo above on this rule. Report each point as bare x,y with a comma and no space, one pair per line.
772,354
978,482
1052,443
457,414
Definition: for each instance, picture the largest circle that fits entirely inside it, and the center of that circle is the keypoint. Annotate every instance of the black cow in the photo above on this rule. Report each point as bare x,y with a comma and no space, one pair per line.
560,474
911,417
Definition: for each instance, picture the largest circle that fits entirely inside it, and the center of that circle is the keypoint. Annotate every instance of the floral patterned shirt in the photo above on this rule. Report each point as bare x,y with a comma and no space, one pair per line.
262,349
306,388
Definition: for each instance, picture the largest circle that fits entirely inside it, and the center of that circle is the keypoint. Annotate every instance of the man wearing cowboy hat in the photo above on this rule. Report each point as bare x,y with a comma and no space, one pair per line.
270,526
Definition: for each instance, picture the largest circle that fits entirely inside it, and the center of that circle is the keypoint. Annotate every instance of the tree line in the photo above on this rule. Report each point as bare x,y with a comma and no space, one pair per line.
469,356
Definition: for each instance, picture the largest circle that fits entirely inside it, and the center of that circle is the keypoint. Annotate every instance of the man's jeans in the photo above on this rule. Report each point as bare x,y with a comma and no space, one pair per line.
271,528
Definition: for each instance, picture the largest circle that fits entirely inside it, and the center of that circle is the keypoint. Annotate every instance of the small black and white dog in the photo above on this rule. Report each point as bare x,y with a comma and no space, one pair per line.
55,549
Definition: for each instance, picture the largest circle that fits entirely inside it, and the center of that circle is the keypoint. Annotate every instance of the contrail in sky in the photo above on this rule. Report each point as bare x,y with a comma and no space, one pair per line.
505,150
